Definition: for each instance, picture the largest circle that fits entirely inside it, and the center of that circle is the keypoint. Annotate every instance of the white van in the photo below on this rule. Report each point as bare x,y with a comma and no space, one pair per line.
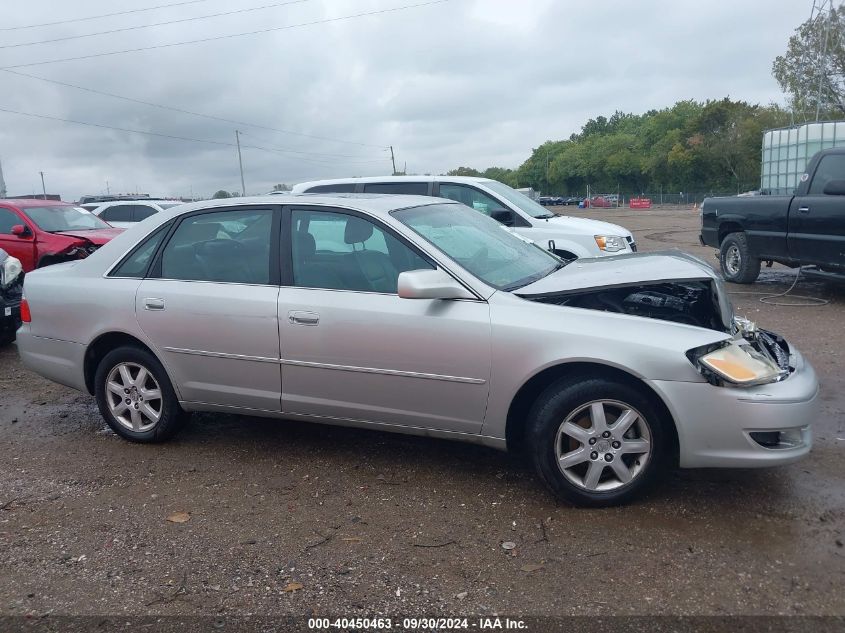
565,236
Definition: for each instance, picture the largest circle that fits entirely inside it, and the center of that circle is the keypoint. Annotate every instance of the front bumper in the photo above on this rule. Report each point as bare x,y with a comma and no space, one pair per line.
734,428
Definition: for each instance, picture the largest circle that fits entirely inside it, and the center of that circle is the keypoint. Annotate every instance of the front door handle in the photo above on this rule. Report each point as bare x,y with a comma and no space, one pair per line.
301,317
153,304
803,209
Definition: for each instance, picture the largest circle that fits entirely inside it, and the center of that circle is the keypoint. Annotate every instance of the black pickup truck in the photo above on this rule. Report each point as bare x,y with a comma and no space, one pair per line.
805,229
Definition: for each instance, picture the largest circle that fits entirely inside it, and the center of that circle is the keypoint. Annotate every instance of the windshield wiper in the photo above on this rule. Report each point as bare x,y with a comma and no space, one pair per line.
530,280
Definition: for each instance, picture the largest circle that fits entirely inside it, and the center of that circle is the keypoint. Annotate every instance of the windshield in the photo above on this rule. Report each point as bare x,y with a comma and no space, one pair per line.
65,218
517,199
482,246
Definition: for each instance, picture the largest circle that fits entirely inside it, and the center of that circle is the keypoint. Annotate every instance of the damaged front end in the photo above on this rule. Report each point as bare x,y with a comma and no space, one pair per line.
11,292
750,356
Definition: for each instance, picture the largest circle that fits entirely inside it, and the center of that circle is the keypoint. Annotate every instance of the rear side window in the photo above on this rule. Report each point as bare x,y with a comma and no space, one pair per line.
342,187
408,188
136,264
224,246
118,213
831,167
142,212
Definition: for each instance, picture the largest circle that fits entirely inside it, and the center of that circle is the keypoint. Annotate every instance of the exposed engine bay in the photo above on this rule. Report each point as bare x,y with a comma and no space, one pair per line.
692,302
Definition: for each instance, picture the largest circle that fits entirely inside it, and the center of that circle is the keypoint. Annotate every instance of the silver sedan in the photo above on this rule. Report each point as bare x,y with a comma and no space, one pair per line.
419,315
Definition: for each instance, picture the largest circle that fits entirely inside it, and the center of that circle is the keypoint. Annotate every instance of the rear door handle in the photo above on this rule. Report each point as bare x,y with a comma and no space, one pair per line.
153,304
302,317
803,209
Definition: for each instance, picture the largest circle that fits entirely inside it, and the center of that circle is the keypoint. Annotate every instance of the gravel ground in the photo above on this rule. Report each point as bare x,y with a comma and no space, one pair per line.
292,518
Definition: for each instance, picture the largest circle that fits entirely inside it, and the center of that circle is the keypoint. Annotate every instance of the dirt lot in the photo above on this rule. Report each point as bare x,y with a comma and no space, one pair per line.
367,522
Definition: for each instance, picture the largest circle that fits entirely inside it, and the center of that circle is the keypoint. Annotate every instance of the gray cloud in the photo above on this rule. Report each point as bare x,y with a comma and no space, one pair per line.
468,82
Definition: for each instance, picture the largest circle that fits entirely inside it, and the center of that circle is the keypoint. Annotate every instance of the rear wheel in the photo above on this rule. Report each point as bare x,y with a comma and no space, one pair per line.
597,442
135,396
738,265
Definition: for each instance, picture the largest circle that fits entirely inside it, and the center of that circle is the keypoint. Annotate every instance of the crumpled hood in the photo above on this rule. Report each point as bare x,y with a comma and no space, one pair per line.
582,226
97,236
630,269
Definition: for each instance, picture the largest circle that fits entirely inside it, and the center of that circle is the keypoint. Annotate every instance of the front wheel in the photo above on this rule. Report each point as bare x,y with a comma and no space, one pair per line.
738,265
135,396
597,442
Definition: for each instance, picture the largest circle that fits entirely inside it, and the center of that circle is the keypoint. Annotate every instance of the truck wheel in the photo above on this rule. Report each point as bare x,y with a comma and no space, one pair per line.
597,442
738,264
135,396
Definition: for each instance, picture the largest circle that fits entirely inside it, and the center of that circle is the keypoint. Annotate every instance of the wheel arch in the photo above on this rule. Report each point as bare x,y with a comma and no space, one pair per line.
726,228
105,343
516,424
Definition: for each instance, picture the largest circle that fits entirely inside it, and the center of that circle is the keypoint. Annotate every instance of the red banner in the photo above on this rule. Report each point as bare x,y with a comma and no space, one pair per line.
639,203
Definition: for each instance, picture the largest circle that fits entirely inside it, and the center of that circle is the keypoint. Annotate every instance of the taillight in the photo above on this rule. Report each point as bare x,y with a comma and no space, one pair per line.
26,315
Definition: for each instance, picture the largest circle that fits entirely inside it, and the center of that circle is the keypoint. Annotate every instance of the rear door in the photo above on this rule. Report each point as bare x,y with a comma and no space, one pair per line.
210,303
817,220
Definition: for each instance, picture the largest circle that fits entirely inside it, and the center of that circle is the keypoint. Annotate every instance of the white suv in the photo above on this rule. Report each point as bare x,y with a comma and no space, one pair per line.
124,214
565,236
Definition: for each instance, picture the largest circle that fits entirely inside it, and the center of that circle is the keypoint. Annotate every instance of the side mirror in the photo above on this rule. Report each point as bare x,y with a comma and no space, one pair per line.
835,188
21,230
431,284
503,216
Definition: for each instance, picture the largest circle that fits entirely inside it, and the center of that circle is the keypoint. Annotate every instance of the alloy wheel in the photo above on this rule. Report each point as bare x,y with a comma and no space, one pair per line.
603,445
733,260
134,397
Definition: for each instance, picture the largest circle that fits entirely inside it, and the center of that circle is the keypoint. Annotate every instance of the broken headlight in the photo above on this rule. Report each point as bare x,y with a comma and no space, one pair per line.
9,271
611,243
735,363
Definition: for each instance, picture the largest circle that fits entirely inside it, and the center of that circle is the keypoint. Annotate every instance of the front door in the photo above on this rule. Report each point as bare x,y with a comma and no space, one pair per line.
817,220
20,246
352,349
210,308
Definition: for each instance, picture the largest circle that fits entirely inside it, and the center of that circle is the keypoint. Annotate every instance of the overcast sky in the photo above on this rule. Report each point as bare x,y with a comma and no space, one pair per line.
463,82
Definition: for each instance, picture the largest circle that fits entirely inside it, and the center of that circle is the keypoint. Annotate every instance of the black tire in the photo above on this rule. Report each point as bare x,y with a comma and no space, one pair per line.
566,397
171,419
738,264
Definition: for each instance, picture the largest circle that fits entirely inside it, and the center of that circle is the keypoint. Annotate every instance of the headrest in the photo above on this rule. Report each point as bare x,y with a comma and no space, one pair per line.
304,244
201,232
357,230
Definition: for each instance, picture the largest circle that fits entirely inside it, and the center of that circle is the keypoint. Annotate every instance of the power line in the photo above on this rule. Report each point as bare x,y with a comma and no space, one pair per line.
104,15
224,37
183,111
182,138
148,26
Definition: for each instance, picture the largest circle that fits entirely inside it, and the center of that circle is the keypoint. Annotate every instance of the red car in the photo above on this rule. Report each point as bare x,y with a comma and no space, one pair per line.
44,232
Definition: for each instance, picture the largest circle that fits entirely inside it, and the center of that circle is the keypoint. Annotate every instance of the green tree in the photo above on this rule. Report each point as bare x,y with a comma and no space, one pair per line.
463,171
221,194
801,70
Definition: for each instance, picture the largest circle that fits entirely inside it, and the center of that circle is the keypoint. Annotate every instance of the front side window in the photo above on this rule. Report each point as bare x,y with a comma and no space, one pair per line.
60,218
346,252
8,220
519,200
407,188
480,245
831,167
117,213
226,246
471,197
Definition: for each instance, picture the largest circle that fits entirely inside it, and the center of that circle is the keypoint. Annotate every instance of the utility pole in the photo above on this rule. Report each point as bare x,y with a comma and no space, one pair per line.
108,190
2,183
240,162
43,188
393,160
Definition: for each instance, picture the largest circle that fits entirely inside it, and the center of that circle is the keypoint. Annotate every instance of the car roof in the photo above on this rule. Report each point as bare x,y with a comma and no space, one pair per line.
373,203
24,203
385,179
